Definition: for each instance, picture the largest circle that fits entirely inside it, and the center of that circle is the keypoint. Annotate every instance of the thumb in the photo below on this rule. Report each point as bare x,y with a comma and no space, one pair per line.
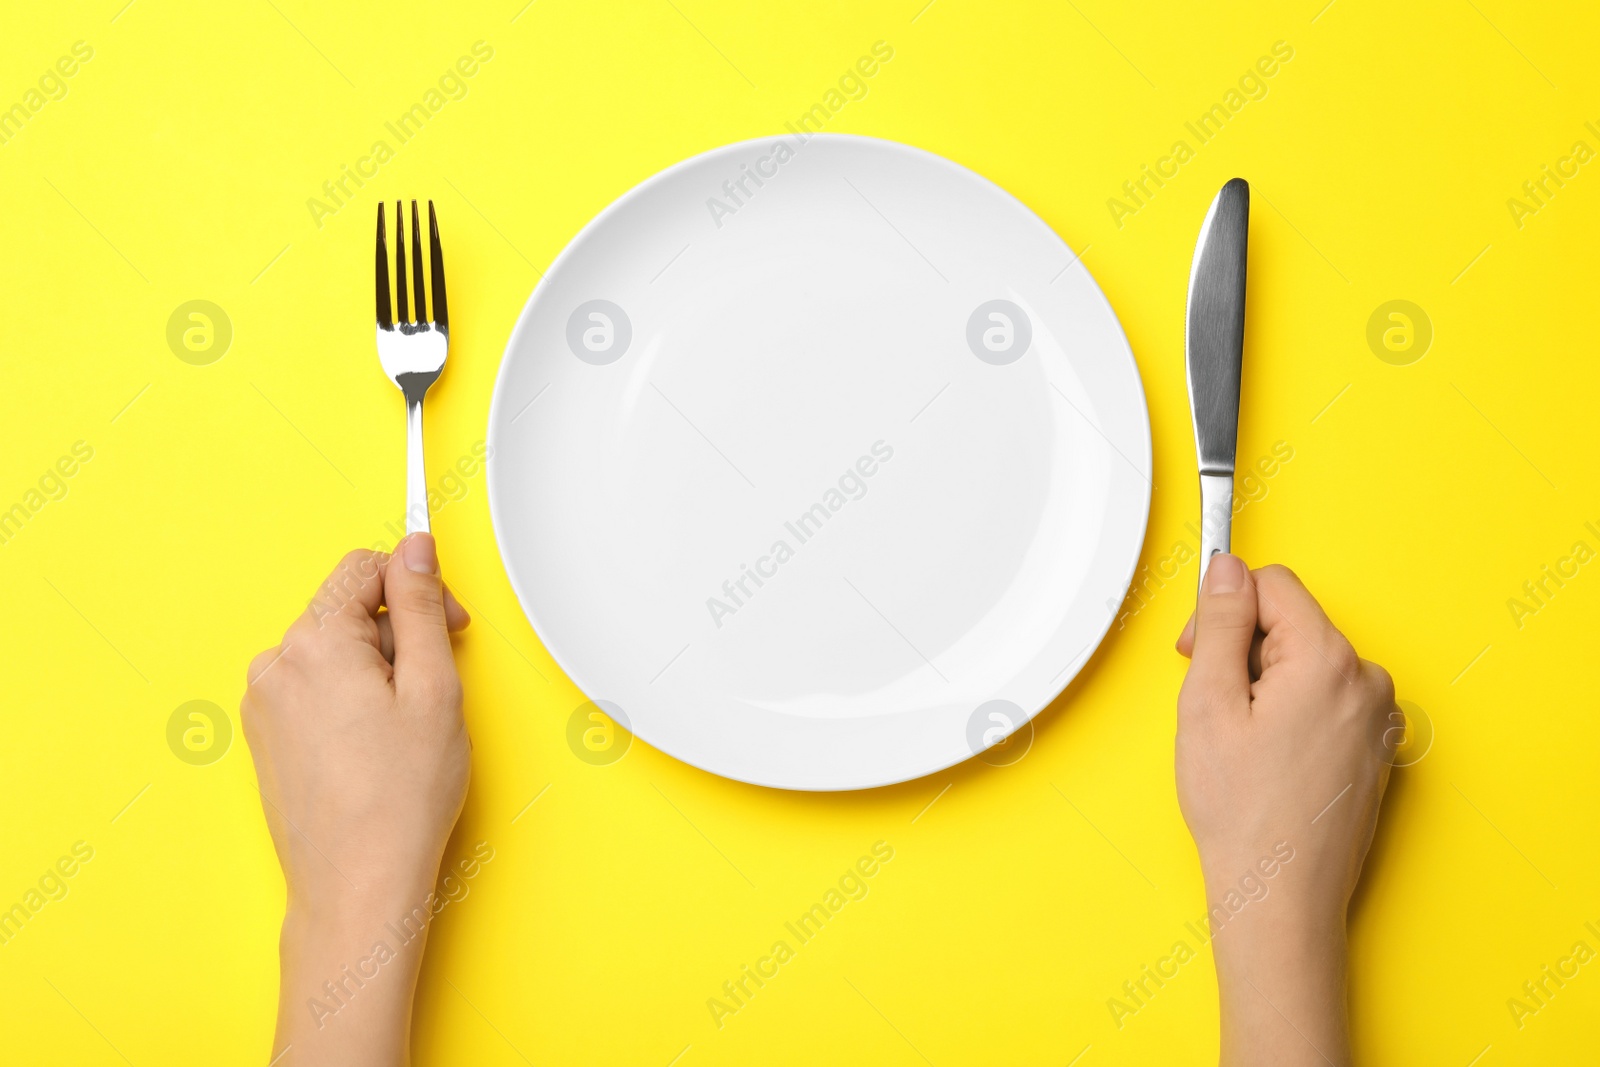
1224,627
414,596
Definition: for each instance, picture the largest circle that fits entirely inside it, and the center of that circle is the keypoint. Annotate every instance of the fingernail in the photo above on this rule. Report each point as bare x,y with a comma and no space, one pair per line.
420,554
1225,574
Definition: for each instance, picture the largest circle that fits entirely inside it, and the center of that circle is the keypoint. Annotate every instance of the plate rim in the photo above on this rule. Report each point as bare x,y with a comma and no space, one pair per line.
498,400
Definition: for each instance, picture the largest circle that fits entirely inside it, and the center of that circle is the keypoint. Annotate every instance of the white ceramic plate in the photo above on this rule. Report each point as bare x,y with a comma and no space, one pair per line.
826,462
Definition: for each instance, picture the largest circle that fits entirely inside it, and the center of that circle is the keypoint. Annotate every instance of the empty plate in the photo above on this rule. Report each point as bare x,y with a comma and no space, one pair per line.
823,462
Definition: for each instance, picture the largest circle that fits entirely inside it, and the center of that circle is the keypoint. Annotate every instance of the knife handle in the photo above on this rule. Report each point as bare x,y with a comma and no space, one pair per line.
1216,517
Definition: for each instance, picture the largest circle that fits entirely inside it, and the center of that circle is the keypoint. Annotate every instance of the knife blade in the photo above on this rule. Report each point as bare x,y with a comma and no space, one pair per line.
1213,354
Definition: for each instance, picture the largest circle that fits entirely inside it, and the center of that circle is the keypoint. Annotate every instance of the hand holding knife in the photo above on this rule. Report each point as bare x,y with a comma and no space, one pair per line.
1214,352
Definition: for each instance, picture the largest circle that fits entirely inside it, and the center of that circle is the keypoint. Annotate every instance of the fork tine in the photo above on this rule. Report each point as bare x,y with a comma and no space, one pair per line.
441,311
416,265
385,318
400,262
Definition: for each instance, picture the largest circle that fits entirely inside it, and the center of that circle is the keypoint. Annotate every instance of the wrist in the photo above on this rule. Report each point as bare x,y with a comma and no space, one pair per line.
1272,896
368,884
340,911
1286,940
349,962
1281,984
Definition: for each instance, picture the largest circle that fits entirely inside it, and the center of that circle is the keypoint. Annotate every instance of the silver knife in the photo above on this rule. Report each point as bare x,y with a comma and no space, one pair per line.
1214,350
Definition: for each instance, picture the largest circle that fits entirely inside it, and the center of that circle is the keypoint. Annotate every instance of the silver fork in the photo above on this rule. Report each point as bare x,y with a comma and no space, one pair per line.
412,351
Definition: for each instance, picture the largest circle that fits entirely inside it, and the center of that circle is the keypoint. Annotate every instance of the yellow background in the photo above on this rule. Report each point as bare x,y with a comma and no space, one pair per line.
178,167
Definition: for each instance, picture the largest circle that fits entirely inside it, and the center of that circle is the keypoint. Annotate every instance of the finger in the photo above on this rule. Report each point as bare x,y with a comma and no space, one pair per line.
1293,621
1380,684
1283,602
456,616
1225,626
1185,646
415,597
386,637
261,664
352,593
356,585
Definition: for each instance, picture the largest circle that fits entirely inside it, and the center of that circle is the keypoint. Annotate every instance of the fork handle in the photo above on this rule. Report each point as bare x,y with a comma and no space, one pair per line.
416,474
